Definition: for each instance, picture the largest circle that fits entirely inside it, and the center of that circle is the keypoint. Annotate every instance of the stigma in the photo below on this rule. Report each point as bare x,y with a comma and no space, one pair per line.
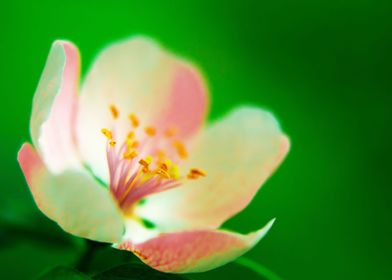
145,162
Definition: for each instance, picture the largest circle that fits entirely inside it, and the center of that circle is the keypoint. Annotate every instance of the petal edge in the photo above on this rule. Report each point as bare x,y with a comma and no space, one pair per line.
194,251
239,153
54,107
74,200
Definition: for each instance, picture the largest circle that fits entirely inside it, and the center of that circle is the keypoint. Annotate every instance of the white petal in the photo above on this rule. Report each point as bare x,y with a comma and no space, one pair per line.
137,76
53,115
238,153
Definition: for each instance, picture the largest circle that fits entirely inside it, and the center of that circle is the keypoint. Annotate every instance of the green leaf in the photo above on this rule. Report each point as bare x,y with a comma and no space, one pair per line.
230,271
135,271
41,231
62,272
99,257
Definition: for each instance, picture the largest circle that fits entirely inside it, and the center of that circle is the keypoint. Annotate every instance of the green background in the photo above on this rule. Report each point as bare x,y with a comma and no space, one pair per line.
323,68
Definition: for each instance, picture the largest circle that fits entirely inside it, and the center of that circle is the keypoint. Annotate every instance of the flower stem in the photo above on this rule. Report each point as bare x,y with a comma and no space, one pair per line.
257,268
84,260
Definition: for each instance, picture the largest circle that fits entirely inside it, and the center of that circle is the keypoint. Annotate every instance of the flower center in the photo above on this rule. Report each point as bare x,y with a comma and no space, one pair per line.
145,162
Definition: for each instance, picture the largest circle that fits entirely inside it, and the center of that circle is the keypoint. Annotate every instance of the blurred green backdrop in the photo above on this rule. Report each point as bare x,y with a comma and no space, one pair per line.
324,69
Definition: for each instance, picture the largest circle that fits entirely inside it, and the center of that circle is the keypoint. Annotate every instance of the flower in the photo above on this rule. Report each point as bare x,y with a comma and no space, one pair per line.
125,159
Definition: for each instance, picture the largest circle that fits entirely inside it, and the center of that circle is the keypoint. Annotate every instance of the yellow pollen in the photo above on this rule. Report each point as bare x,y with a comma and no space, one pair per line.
134,120
181,150
148,159
114,111
195,173
131,134
107,133
170,132
168,163
130,154
112,143
174,172
150,131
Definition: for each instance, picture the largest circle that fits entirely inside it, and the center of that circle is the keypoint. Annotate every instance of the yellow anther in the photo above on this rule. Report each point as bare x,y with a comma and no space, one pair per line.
164,167
134,120
163,173
181,150
160,156
107,133
150,131
135,144
130,154
131,144
195,173
130,135
145,162
170,132
114,111
112,143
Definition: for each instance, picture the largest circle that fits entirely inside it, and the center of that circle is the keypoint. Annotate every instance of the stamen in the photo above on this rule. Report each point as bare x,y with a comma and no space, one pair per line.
170,132
163,173
134,120
132,144
130,154
134,176
195,173
107,133
131,184
150,131
112,143
135,144
160,156
168,163
175,172
145,163
181,150
114,111
164,166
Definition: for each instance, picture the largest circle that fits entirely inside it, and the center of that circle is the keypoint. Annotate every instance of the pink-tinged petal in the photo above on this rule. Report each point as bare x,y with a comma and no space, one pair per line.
139,77
187,102
53,115
194,251
238,153
73,200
